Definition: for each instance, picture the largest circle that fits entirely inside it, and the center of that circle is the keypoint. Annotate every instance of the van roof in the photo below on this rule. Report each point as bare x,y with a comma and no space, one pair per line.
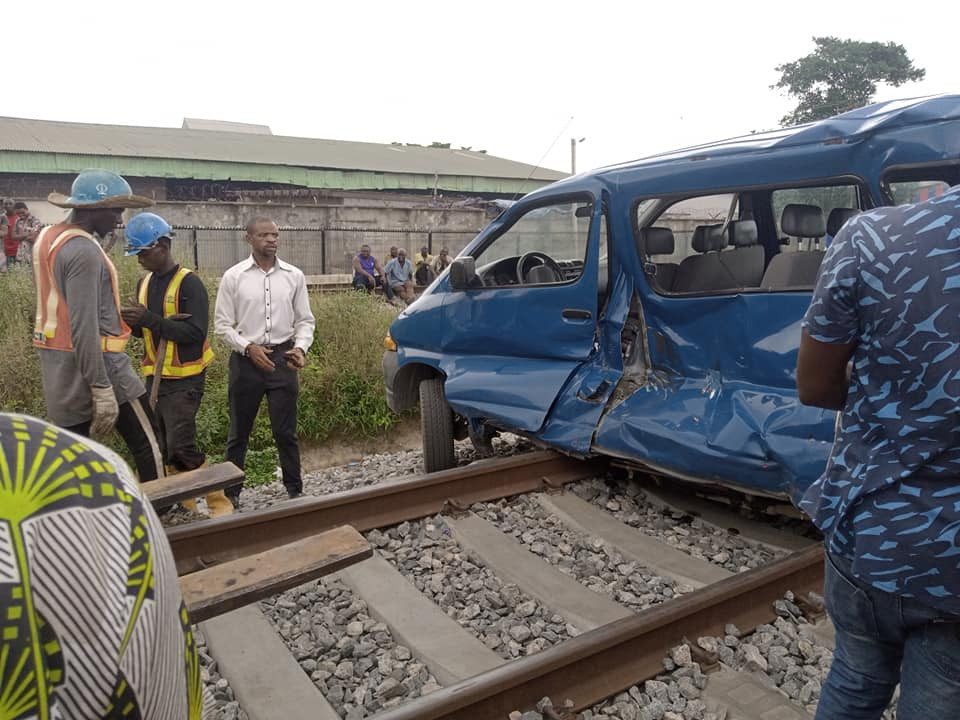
868,138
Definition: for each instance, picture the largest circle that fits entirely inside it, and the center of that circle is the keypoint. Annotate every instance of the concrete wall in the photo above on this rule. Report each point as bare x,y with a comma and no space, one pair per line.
229,214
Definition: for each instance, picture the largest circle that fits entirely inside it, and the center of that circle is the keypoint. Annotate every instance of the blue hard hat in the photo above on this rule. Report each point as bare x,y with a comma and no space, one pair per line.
100,189
144,230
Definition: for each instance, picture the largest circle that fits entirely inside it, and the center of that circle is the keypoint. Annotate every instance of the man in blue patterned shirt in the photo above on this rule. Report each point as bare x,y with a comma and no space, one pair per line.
881,343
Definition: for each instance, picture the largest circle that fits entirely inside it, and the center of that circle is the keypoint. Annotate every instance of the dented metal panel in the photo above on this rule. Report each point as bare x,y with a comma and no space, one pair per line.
698,387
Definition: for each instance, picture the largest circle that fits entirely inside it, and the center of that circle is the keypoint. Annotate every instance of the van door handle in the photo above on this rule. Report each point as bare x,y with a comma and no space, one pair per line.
576,314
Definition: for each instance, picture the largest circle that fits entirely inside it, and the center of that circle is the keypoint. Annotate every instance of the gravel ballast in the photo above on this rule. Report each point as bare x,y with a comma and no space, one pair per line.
499,614
626,501
351,658
589,560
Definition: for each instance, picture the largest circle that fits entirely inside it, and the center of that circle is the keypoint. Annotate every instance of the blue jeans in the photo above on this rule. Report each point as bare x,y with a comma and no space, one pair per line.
883,639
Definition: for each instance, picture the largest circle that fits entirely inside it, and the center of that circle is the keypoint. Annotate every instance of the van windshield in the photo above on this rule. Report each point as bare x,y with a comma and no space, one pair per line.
561,231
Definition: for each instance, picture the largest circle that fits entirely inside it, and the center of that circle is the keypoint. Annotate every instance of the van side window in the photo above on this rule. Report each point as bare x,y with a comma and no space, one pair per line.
917,191
691,248
546,245
833,200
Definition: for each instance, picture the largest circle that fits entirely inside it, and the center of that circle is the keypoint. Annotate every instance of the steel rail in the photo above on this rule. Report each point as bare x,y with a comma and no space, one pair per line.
202,544
605,661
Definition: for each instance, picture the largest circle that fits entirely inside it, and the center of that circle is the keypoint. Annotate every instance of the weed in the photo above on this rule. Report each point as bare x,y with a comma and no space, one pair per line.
341,389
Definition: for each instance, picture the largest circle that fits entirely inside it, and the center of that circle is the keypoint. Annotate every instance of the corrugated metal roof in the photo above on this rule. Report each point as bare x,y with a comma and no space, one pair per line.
225,126
45,136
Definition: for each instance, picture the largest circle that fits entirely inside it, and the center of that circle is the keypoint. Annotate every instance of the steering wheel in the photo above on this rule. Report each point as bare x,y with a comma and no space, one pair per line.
544,260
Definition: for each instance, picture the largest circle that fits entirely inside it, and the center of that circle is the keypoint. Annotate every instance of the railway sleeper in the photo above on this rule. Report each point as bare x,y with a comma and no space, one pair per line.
164,492
230,585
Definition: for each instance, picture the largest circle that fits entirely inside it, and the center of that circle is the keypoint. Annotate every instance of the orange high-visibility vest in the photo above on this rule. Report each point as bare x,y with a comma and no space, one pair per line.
172,366
52,328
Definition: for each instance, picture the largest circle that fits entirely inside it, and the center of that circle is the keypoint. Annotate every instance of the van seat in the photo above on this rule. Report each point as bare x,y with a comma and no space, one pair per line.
660,241
803,221
797,268
747,258
838,218
705,272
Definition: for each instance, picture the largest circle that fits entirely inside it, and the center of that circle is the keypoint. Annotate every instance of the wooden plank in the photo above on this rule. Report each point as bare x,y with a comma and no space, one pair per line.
192,484
233,584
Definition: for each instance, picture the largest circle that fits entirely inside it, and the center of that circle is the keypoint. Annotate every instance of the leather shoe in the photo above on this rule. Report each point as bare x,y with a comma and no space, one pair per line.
292,493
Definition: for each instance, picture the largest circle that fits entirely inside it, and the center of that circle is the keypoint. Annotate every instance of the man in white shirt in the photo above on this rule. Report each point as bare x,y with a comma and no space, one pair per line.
263,314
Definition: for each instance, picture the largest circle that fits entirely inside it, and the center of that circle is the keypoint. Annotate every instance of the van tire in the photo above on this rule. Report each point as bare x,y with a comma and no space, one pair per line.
436,427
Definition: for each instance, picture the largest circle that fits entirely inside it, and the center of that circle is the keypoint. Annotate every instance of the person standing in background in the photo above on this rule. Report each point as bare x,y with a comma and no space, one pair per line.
262,313
7,227
25,231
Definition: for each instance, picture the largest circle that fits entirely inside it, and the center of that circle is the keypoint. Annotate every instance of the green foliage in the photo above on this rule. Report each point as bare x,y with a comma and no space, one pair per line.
341,389
842,75
20,388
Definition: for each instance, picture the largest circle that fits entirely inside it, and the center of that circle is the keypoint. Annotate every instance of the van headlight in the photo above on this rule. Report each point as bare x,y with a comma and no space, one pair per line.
389,343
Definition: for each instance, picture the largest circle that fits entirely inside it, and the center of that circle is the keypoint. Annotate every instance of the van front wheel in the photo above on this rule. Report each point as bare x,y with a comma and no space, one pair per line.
436,426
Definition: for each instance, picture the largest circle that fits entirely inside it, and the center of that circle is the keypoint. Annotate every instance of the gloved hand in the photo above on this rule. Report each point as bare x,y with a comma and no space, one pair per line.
105,410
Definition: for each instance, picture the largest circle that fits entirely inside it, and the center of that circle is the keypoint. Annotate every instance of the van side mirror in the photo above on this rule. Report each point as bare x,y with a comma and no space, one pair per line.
463,273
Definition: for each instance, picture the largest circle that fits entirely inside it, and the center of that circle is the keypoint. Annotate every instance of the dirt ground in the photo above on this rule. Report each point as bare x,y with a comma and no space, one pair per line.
340,451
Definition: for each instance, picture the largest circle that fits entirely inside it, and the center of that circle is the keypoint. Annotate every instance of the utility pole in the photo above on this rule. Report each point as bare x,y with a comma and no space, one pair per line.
573,154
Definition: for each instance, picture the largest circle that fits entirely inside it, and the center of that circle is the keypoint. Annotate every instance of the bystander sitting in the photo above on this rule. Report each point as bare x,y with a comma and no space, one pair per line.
367,273
423,267
399,272
442,262
391,256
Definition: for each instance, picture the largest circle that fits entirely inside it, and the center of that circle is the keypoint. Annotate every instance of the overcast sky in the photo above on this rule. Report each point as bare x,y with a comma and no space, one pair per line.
506,77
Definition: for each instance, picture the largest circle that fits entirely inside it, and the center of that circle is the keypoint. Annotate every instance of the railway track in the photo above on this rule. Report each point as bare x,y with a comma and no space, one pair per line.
614,648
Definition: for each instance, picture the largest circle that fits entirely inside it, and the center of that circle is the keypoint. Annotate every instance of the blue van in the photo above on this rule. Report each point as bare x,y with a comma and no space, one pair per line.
650,312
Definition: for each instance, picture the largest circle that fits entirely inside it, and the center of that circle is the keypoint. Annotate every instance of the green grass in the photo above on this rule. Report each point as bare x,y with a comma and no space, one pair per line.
341,389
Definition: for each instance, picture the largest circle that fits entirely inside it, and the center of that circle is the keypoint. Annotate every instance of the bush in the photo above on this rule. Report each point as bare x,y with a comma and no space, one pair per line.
341,389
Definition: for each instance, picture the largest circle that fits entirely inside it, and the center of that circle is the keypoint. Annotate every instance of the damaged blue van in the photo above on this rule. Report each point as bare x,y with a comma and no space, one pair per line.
650,312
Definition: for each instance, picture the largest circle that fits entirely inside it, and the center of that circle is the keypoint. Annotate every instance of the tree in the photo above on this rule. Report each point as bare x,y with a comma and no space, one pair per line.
841,75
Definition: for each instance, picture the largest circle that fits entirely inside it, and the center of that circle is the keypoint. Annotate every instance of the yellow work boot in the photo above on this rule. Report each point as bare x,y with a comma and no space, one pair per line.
190,505
219,504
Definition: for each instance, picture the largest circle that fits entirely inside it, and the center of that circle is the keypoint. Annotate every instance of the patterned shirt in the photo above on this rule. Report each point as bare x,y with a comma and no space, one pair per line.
92,624
889,500
27,224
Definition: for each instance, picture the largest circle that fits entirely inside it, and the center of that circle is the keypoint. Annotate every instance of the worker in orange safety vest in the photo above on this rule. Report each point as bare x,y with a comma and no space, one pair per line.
88,381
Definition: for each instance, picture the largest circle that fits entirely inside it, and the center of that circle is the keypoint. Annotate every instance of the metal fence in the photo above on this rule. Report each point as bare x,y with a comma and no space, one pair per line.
316,251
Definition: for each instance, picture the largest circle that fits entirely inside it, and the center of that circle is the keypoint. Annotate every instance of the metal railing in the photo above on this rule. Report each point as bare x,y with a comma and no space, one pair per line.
316,251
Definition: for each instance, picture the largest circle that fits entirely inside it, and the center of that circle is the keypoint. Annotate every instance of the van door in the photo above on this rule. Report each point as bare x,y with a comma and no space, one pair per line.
510,346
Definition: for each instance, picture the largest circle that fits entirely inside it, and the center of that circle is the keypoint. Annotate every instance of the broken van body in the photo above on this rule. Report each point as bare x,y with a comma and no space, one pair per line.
651,311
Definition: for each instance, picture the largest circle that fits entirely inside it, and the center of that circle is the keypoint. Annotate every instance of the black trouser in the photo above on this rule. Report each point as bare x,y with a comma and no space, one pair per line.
177,428
248,385
423,275
137,426
362,282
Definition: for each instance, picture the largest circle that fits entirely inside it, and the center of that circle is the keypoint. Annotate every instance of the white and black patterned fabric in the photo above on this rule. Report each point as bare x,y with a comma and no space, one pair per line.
92,624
